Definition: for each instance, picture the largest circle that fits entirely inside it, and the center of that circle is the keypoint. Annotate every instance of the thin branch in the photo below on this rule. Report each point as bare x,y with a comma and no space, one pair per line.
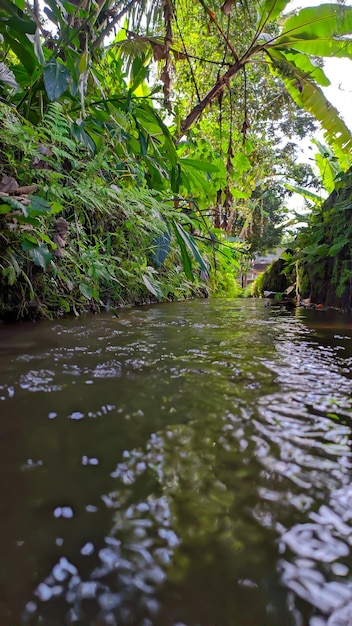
97,43
246,124
215,242
188,58
218,76
214,20
35,14
152,40
202,60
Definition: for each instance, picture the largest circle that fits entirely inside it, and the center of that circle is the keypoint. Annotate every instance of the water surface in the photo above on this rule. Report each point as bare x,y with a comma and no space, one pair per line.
181,464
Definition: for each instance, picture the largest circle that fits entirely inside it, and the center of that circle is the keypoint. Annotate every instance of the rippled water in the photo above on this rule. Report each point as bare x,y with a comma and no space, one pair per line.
183,464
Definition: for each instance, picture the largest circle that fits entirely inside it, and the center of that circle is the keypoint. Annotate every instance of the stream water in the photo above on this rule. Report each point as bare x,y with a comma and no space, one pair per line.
186,464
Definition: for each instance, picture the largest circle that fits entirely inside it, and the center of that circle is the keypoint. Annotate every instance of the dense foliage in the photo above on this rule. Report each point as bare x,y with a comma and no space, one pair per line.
324,267
320,263
141,143
78,232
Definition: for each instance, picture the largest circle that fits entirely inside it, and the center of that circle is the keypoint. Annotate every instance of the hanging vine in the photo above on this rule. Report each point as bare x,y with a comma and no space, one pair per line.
218,207
229,168
246,124
168,14
188,58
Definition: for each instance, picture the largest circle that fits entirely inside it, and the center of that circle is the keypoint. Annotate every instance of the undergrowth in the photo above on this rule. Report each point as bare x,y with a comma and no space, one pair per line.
324,250
88,233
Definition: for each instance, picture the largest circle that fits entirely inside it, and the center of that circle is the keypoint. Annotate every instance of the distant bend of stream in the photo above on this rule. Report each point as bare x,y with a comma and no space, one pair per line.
184,464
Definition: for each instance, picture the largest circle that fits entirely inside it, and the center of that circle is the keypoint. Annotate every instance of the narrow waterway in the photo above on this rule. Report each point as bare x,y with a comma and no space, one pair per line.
186,464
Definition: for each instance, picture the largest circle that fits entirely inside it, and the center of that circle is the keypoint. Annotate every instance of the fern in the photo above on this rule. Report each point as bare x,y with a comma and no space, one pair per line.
58,128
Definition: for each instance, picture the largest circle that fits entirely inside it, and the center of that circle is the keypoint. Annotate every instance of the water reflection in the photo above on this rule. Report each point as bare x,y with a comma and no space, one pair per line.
182,464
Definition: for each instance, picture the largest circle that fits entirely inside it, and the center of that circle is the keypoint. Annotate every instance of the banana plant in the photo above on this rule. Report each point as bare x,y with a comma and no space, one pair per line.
331,173
329,167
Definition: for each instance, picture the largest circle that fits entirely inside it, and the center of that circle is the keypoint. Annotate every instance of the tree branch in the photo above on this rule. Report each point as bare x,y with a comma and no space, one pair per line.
219,86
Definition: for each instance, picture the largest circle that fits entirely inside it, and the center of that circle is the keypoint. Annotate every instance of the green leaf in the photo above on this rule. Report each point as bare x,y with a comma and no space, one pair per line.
71,8
269,10
41,256
311,71
186,259
335,249
326,173
19,22
28,241
47,239
169,144
21,25
23,51
191,244
176,178
302,191
138,74
56,207
56,79
170,149
81,135
319,31
83,63
20,4
38,47
240,162
204,166
25,219
309,96
86,290
325,21
4,208
194,181
38,206
7,76
333,416
161,247
152,286
328,164
339,48
238,193
64,304
15,204
143,142
156,174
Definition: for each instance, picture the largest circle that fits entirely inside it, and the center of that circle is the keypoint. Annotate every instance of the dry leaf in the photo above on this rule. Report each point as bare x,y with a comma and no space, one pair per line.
159,51
226,7
8,184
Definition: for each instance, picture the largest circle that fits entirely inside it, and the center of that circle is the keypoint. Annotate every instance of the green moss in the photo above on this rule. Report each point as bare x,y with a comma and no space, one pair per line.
325,254
277,277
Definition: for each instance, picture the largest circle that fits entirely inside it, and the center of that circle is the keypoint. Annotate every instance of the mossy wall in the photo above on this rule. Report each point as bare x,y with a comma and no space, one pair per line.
325,251
274,279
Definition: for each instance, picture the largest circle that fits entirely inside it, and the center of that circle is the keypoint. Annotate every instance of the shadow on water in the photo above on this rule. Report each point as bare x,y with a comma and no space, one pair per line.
183,464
